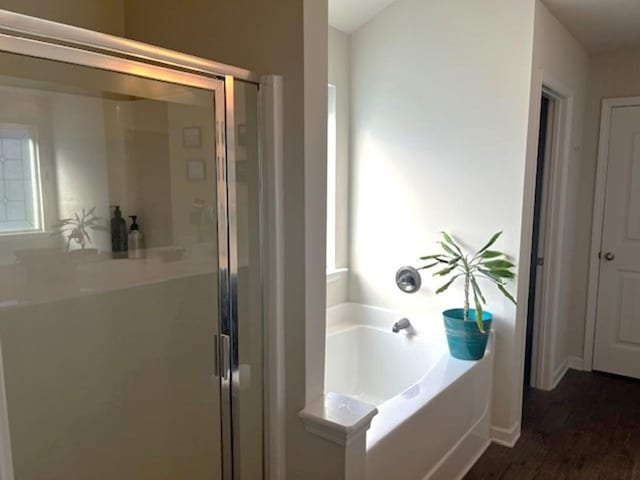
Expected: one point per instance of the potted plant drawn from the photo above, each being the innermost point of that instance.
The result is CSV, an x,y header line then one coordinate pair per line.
x,y
468,328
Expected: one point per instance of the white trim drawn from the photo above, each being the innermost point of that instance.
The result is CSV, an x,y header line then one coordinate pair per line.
x,y
559,374
6,458
274,383
608,105
338,418
337,274
332,168
557,205
507,437
554,235
576,363
315,18
525,244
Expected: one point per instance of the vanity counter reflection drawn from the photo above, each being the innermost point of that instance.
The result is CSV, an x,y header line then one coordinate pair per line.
x,y
42,276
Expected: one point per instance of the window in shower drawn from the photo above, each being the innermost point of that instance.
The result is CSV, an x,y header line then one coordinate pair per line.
x,y
20,210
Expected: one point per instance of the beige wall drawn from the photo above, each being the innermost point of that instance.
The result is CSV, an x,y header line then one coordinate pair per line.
x,y
103,15
339,75
440,104
610,75
266,37
561,61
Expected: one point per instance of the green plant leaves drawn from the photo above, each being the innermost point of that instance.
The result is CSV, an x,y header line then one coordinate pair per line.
x,y
450,241
448,249
507,294
431,257
476,289
479,311
430,265
489,243
445,271
491,254
490,275
503,273
490,264
498,264
447,285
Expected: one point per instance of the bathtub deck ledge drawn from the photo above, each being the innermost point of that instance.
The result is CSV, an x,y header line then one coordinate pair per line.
x,y
338,418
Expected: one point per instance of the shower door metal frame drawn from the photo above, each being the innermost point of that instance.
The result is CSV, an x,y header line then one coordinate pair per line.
x,y
39,38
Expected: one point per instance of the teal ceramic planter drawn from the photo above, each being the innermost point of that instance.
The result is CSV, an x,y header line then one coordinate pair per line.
x,y
465,340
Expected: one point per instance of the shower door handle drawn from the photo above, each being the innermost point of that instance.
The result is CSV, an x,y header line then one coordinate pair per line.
x,y
221,356
225,352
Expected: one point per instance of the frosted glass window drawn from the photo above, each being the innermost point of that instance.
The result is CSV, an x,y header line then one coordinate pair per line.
x,y
19,185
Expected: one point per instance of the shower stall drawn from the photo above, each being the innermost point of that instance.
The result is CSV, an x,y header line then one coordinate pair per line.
x,y
128,354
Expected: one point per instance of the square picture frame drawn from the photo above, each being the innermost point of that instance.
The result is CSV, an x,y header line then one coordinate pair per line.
x,y
196,170
191,137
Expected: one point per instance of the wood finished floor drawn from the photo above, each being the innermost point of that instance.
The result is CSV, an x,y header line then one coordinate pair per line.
x,y
588,428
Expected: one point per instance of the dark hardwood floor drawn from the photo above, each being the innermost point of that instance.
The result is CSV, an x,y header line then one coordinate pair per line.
x,y
588,428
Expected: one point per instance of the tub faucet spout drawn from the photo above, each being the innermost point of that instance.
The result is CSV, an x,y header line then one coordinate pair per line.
x,y
402,324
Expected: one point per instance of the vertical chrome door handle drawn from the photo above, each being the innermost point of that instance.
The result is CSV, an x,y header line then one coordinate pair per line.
x,y
225,352
221,356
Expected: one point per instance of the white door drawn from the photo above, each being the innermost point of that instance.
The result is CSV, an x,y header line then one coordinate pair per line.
x,y
617,342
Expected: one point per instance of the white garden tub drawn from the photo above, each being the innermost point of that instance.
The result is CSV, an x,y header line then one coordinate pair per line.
x,y
433,420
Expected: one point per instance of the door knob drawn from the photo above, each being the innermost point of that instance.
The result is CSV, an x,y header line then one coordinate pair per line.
x,y
609,256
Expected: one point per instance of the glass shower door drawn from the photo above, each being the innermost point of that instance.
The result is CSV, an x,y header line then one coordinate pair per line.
x,y
109,271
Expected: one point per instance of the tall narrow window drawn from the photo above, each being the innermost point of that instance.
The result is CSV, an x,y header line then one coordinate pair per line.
x,y
331,181
19,181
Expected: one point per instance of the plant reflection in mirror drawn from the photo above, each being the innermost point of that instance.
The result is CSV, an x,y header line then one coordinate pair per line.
x,y
77,229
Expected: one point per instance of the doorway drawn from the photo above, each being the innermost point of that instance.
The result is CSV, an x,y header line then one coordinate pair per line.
x,y
546,134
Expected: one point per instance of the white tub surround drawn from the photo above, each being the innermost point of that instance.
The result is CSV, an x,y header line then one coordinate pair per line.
x,y
342,420
433,410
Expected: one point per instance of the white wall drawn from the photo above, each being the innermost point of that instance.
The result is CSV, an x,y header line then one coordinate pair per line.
x,y
610,75
560,61
339,75
440,103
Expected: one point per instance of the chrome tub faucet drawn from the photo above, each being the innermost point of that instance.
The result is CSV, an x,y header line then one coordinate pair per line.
x,y
401,324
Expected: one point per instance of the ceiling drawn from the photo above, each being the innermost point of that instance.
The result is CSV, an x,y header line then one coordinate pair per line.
x,y
349,15
600,25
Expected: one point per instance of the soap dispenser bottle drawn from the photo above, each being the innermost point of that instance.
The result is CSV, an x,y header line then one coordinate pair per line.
x,y
136,239
118,233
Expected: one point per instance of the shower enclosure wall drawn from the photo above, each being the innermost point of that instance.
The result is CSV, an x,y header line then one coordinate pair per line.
x,y
117,361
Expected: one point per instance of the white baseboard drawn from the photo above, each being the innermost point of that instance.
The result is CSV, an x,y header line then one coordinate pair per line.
x,y
576,363
559,374
506,437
